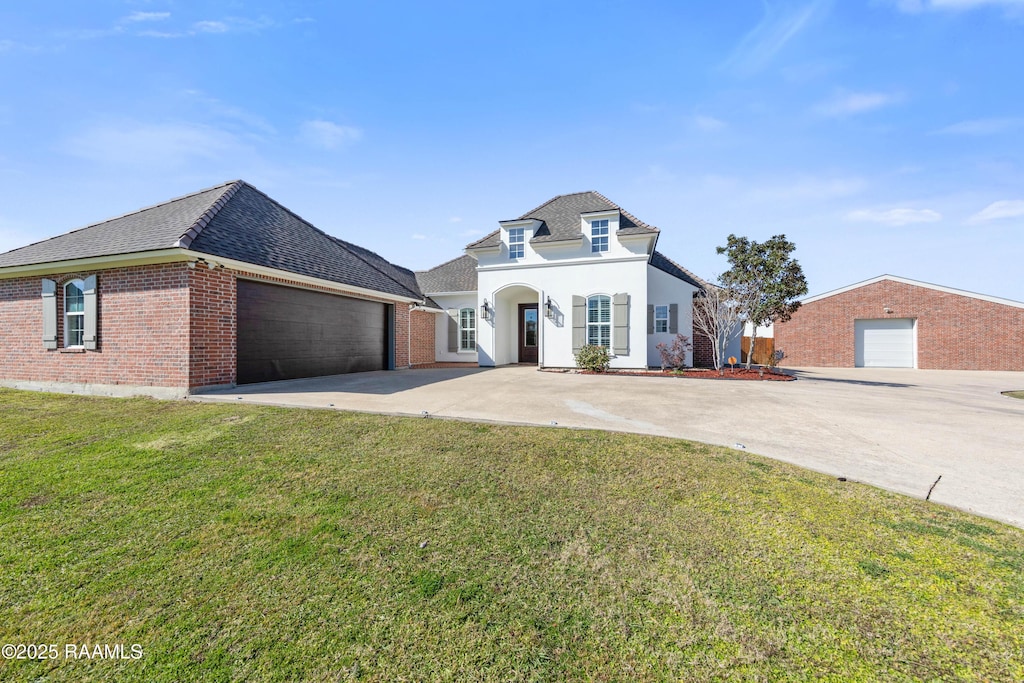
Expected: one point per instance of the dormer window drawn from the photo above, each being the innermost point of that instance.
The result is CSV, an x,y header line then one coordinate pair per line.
x,y
517,242
599,235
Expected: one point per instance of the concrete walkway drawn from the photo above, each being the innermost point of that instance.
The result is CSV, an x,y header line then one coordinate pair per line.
x,y
897,429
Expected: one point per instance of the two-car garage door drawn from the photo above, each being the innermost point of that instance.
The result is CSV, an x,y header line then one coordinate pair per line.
x,y
285,333
885,343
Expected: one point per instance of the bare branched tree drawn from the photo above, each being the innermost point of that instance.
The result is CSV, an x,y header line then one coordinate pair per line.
x,y
718,315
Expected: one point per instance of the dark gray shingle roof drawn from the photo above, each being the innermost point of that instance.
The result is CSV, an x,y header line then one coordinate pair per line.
x,y
235,221
155,227
457,275
560,219
253,228
664,263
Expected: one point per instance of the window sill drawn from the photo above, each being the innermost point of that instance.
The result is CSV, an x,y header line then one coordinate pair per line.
x,y
73,349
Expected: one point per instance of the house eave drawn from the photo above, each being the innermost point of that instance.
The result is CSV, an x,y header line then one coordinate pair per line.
x,y
915,283
253,269
176,255
139,258
569,242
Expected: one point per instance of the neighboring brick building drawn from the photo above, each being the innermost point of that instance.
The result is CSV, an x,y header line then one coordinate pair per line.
x,y
219,287
890,321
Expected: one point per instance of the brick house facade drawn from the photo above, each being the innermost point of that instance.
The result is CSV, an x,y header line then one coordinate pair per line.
x,y
165,326
164,288
954,330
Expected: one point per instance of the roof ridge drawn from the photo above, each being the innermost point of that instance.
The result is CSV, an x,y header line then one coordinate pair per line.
x,y
559,196
124,215
627,214
346,246
342,243
189,236
917,283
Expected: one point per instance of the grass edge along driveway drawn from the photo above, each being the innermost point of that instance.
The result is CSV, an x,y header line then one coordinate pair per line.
x,y
248,543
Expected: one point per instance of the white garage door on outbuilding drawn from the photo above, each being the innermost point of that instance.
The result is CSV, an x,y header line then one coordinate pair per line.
x,y
885,343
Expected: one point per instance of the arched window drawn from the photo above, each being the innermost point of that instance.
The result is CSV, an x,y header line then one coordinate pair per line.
x,y
599,320
467,329
74,314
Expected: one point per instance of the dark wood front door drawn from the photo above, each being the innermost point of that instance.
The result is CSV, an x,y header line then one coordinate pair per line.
x,y
529,333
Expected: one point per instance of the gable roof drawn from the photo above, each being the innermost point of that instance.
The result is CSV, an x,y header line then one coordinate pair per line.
x,y
664,263
916,283
560,219
457,275
234,221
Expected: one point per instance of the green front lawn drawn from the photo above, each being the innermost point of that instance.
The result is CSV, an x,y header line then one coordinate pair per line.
x,y
242,543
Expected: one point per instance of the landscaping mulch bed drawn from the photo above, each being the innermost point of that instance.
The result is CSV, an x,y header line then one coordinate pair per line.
x,y
752,375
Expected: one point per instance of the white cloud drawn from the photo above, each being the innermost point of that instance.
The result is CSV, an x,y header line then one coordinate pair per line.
x,y
918,6
1007,208
248,121
455,219
145,144
808,189
894,217
980,127
418,236
210,27
851,103
204,27
709,124
777,27
135,17
328,135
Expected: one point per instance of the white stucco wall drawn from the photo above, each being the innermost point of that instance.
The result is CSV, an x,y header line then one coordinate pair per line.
x,y
663,290
763,331
506,284
451,303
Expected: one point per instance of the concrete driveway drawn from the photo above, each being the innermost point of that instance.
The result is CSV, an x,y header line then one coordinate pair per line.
x,y
897,429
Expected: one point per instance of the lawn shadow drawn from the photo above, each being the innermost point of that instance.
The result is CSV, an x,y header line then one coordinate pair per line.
x,y
380,382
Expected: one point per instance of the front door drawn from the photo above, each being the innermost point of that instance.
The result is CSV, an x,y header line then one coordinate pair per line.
x,y
529,323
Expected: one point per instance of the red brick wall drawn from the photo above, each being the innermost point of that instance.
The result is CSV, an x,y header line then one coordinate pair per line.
x,y
402,335
212,307
164,325
703,351
953,332
422,338
143,329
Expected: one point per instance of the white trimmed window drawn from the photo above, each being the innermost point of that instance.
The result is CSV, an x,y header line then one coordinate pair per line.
x,y
74,314
467,329
599,235
599,320
516,243
661,318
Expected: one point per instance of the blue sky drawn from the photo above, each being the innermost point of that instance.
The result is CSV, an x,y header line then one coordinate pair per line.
x,y
882,136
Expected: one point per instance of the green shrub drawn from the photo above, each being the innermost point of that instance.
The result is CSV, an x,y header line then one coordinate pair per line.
x,y
593,358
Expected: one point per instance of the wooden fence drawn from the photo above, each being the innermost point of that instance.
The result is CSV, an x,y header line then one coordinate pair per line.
x,y
764,348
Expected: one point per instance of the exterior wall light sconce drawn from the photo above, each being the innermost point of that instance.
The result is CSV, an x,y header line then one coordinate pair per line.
x,y
887,309
486,311
549,311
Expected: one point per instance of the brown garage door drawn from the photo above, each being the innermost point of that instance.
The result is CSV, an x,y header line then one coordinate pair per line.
x,y
284,333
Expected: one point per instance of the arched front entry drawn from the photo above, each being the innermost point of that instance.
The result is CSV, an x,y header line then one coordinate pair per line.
x,y
518,332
